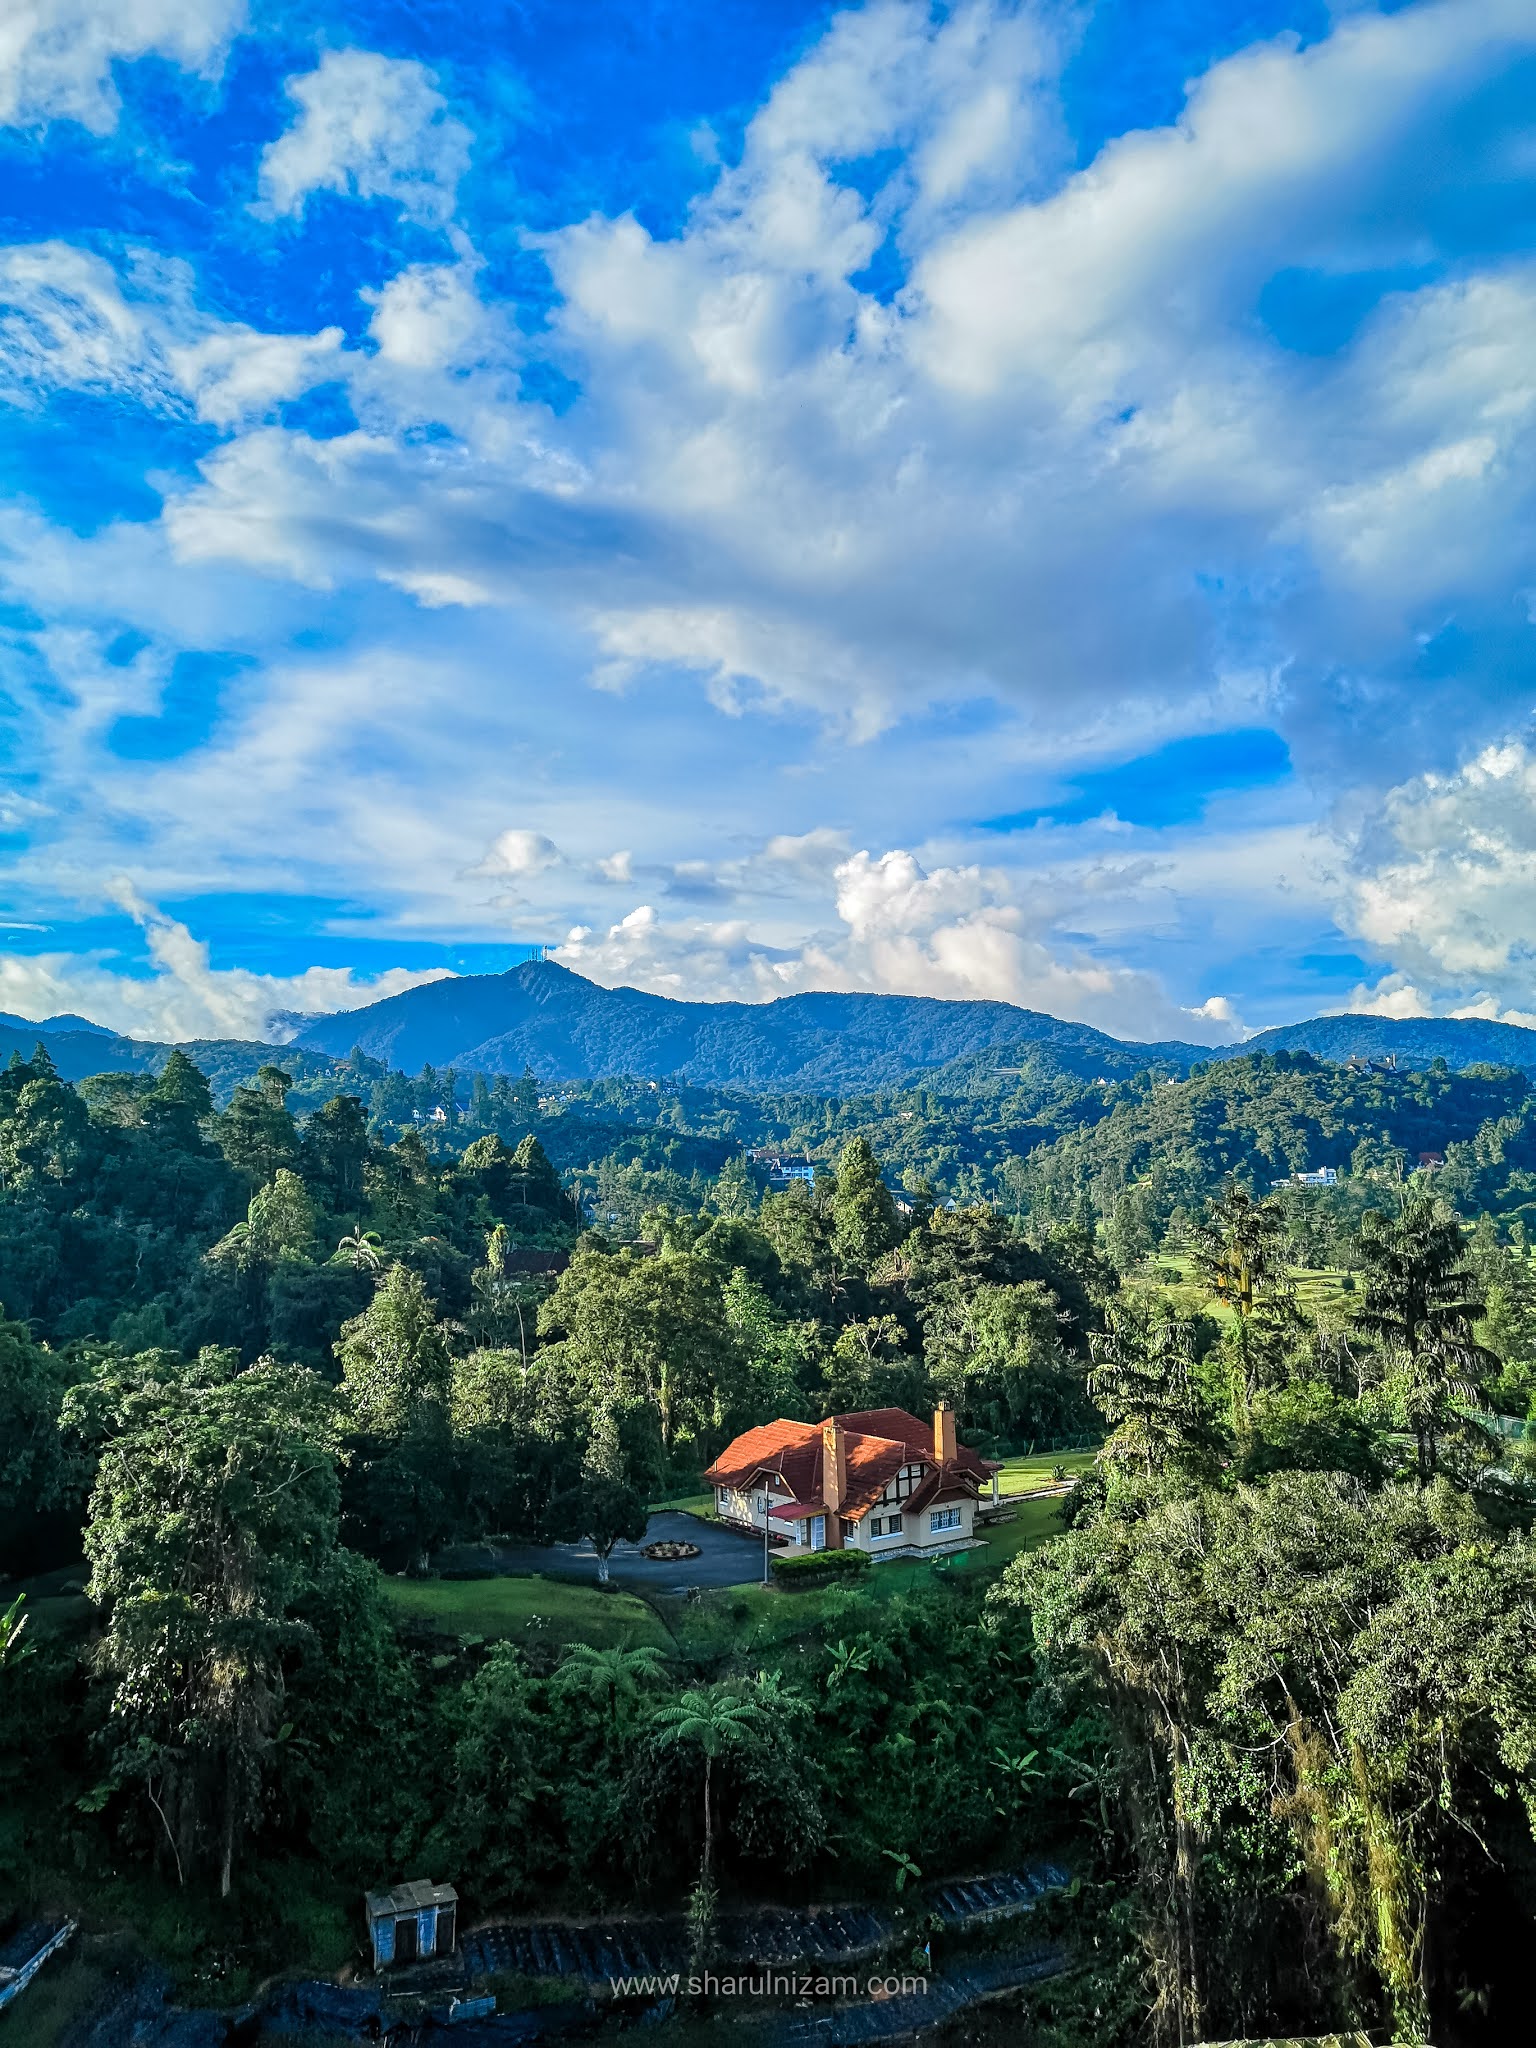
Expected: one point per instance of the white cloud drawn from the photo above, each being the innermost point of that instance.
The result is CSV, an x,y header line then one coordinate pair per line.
x,y
371,127
70,320
1445,884
237,373
805,495
1075,290
64,321
1396,995
957,932
184,996
813,854
520,853
56,56
428,317
1220,1010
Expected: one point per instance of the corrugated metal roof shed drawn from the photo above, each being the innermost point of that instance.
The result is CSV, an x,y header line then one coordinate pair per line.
x,y
410,1898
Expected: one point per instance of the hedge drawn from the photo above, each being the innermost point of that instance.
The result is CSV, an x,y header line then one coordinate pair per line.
x,y
819,1565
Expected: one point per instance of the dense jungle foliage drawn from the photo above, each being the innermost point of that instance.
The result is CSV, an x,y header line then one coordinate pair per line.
x,y
1272,1692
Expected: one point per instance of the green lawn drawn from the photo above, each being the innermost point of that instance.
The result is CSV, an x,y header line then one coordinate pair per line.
x,y
1035,1522
1028,1475
1317,1287
529,1610
686,1504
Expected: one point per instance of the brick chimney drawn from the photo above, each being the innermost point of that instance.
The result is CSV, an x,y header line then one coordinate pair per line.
x,y
944,1434
834,1478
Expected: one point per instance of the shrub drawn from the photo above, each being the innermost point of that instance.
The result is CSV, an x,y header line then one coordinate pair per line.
x,y
820,1566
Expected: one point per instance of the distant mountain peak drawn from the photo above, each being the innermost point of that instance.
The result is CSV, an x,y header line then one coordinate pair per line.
x,y
67,1021
543,1015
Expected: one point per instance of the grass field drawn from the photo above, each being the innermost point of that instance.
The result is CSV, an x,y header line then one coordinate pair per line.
x,y
1028,1475
528,1610
686,1504
1319,1289
1036,1522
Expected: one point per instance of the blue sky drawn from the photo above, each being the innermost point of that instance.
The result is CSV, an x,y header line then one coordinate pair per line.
x,y
1017,500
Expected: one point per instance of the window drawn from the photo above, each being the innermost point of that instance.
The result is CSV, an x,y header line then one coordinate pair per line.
x,y
885,1525
944,1518
850,1530
761,1503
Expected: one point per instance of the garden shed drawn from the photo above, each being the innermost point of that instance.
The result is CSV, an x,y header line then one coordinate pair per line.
x,y
412,1923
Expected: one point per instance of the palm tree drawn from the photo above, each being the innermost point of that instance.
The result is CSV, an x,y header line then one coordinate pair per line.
x,y
1421,1300
1242,1253
359,1249
711,1720
616,1676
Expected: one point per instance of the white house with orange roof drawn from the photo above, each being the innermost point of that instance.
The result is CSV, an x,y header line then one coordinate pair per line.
x,y
879,1481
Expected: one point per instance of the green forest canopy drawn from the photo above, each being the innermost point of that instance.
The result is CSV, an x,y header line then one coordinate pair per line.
x,y
1271,1692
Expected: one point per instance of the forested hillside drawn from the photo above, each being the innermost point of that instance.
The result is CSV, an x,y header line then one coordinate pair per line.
x,y
1411,1041
542,1015
1167,1146
260,1358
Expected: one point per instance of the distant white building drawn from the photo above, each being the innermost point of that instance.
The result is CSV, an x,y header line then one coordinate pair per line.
x,y
782,1169
1324,1177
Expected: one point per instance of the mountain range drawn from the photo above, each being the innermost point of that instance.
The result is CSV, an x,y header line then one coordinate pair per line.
x,y
542,1016
66,1022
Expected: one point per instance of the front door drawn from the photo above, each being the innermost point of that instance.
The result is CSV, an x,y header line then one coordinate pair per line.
x,y
818,1532
405,1938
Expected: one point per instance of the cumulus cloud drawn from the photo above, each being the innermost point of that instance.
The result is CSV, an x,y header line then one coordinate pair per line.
x,y
901,929
370,127
428,317
910,414
803,493
1444,885
237,373
183,996
520,853
56,56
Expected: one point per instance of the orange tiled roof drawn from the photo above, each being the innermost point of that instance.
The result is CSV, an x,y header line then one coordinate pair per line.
x,y
877,1442
902,1428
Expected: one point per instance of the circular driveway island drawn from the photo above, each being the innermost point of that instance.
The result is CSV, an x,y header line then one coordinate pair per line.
x,y
727,1557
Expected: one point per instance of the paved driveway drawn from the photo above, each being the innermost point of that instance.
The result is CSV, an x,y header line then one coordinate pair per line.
x,y
728,1557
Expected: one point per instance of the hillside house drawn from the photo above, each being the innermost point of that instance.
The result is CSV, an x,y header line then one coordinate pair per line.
x,y
879,1481
1321,1177
782,1168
